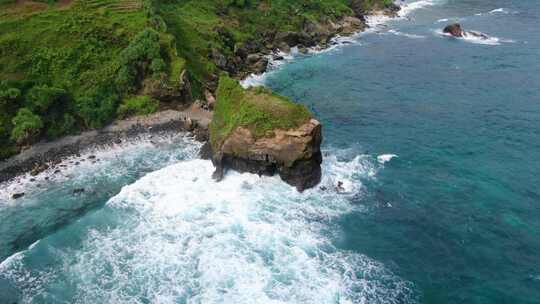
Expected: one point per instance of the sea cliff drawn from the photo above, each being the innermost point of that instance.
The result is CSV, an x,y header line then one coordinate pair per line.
x,y
115,59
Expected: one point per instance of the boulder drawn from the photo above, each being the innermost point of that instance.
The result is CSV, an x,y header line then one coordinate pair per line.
x,y
293,38
17,195
253,58
219,59
454,30
350,25
284,47
210,99
163,89
38,169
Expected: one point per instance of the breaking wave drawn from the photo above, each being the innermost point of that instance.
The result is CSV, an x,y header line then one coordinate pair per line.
x,y
177,236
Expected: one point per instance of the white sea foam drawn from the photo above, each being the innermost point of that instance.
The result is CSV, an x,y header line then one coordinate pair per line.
x,y
384,158
254,80
476,39
378,22
408,8
398,33
102,163
499,10
181,237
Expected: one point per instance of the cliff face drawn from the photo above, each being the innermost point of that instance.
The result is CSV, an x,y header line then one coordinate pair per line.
x,y
293,154
257,131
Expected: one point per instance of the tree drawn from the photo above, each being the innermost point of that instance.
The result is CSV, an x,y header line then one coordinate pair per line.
x,y
96,111
141,57
26,125
41,98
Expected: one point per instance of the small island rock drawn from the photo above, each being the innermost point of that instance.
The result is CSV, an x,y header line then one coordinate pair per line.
x,y
454,30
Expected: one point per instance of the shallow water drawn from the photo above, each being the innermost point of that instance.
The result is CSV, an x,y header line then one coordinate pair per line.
x,y
434,138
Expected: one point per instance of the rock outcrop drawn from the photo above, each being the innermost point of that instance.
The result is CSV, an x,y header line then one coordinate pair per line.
x,y
454,30
293,154
162,89
255,130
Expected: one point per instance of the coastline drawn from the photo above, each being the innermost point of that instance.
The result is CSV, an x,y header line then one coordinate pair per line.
x,y
45,155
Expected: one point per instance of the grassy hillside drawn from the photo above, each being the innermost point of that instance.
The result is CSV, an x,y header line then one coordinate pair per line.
x,y
71,65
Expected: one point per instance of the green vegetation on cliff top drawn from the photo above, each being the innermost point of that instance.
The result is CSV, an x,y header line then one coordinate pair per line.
x,y
257,109
72,64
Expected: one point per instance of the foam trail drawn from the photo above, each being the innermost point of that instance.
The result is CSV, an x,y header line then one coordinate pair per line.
x,y
408,8
177,236
384,158
398,33
379,21
498,10
476,39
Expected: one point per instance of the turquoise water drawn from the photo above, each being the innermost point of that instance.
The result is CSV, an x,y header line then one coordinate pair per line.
x,y
437,143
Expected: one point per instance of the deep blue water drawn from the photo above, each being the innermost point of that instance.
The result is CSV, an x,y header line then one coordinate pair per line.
x,y
454,218
464,119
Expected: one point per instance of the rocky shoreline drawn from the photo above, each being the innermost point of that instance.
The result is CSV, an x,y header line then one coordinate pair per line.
x,y
46,155
253,57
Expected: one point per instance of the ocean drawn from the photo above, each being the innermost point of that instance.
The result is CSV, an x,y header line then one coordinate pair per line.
x,y
435,139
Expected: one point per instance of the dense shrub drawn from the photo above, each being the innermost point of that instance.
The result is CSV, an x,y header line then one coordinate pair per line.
x,y
140,58
138,105
41,98
26,126
96,111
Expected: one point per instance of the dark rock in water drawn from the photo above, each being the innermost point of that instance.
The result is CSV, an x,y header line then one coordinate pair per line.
x,y
219,173
92,157
339,187
206,151
78,190
457,31
17,195
454,30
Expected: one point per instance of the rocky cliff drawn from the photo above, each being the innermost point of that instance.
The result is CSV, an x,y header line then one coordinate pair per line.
x,y
257,131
